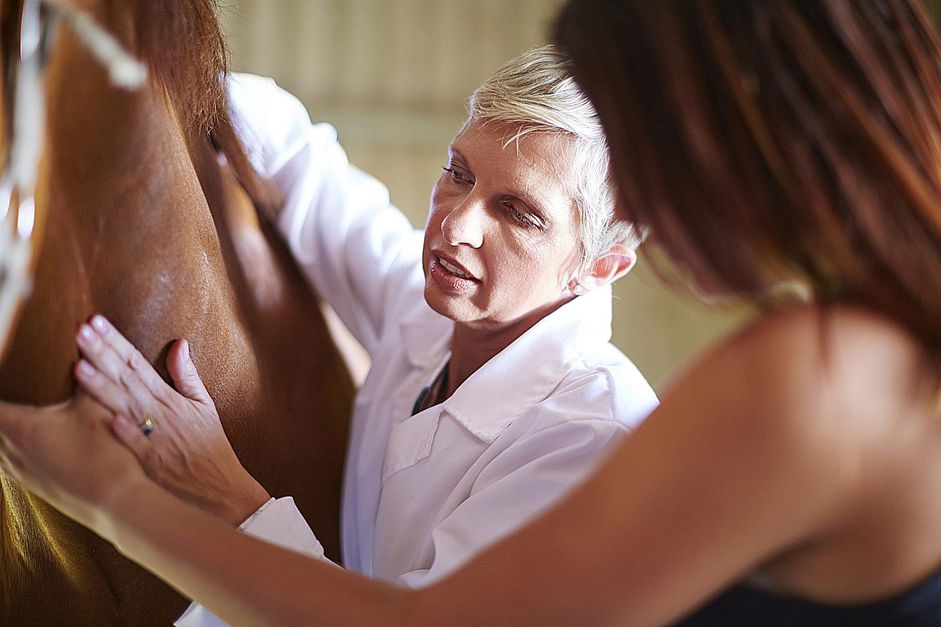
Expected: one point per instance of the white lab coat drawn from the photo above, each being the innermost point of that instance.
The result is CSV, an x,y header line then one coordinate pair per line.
x,y
424,493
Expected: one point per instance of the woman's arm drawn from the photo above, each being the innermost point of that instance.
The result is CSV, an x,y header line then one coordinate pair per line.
x,y
241,579
67,455
745,460
737,466
359,251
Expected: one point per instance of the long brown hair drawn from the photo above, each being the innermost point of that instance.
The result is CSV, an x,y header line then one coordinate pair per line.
x,y
769,140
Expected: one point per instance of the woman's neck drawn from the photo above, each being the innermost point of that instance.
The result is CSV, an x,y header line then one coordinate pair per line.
x,y
469,351
473,345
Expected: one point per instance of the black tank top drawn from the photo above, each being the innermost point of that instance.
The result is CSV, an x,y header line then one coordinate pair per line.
x,y
920,606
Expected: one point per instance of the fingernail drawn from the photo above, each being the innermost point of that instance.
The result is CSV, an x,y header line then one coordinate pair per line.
x,y
86,369
120,422
185,349
85,332
99,322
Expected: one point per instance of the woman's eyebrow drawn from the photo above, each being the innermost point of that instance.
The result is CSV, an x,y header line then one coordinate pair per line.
x,y
531,202
460,155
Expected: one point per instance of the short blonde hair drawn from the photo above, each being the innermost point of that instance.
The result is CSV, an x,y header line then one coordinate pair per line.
x,y
535,92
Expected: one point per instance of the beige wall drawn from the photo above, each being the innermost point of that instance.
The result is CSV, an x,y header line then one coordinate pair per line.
x,y
392,76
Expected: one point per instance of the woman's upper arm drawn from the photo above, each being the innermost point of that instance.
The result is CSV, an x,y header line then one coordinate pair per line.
x,y
358,250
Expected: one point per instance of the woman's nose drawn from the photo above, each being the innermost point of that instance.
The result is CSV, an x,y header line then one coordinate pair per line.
x,y
465,224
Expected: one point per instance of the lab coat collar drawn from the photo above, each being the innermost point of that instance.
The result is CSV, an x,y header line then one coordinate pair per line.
x,y
427,335
522,374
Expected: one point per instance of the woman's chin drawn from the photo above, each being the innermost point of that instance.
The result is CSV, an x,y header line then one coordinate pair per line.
x,y
440,303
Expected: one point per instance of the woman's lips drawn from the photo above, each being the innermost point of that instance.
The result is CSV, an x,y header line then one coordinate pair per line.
x,y
449,275
454,269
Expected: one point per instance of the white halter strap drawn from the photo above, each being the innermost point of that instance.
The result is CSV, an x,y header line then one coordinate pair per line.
x,y
26,142
123,69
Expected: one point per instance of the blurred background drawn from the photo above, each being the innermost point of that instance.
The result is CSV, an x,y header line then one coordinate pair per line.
x,y
393,76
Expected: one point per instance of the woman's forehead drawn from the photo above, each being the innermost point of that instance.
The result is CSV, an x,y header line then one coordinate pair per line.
x,y
537,164
526,141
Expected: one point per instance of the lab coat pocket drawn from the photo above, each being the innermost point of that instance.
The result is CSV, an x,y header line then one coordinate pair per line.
x,y
410,441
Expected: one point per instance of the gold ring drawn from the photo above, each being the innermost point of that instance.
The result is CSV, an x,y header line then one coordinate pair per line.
x,y
147,426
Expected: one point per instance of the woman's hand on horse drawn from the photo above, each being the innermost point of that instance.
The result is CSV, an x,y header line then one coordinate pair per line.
x,y
177,437
67,455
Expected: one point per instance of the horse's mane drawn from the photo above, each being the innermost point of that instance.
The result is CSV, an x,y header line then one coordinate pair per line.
x,y
183,44
184,47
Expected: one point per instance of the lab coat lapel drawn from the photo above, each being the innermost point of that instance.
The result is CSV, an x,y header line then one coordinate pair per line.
x,y
526,371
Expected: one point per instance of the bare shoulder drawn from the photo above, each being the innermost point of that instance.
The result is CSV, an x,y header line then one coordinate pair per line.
x,y
841,365
835,327
793,401
840,346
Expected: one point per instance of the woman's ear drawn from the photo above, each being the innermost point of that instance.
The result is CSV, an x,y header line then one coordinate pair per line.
x,y
608,268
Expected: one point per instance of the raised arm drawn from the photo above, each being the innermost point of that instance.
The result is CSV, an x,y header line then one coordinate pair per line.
x,y
360,252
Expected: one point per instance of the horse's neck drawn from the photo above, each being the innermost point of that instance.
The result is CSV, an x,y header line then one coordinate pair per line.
x,y
142,224
127,231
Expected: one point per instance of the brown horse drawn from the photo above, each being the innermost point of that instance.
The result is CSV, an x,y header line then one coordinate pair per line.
x,y
139,220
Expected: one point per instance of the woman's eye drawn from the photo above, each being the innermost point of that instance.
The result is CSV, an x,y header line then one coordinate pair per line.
x,y
456,175
520,217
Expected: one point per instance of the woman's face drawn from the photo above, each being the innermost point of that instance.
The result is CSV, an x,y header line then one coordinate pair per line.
x,y
501,242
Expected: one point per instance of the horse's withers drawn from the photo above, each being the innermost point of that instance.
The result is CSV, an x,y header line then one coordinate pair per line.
x,y
142,224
